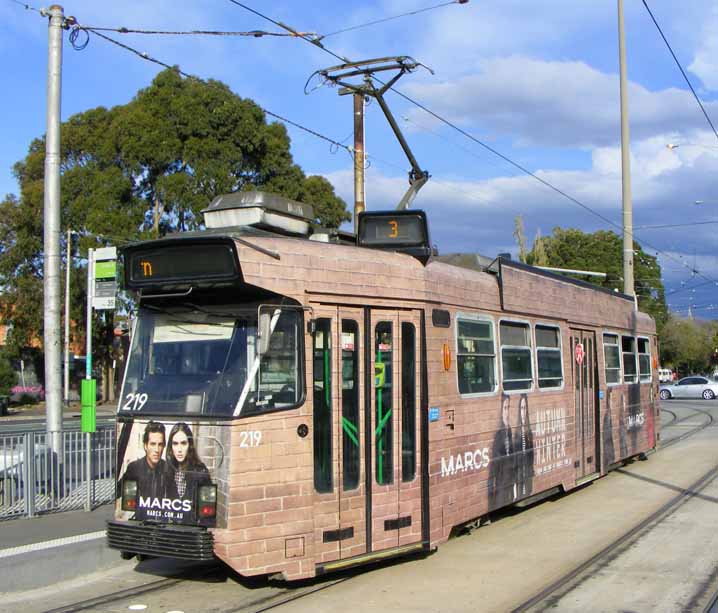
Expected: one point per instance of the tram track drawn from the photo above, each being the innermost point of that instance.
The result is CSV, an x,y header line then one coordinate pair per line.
x,y
549,597
268,597
689,433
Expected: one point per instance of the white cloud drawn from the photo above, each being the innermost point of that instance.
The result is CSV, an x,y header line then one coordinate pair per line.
x,y
556,103
705,62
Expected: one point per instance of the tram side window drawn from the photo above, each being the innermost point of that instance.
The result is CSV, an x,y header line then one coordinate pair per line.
x,y
628,350
350,404
644,360
612,357
548,357
322,356
516,355
408,402
475,356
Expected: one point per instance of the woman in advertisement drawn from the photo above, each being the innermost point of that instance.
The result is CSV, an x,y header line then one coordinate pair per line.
x,y
187,471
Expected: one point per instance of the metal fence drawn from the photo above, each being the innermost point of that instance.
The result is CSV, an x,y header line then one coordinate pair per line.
x,y
41,472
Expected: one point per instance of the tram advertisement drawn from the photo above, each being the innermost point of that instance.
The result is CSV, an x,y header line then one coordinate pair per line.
x,y
163,459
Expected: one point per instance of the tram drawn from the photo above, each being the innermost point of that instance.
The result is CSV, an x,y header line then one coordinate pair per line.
x,y
297,402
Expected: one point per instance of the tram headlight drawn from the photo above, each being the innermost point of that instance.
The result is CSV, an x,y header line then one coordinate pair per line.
x,y
207,501
129,495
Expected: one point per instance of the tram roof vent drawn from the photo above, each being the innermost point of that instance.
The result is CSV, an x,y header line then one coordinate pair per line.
x,y
261,210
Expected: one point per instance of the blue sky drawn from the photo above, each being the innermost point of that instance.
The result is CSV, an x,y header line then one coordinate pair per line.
x,y
537,81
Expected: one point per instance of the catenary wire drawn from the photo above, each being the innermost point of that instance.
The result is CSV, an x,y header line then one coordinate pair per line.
x,y
308,38
378,21
683,72
145,56
473,138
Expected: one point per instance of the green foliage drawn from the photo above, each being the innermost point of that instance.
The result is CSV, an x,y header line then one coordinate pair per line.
x,y
602,251
137,171
329,209
689,346
520,236
8,376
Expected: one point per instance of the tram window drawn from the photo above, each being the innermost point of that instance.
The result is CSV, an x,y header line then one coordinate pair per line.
x,y
612,357
548,356
408,401
383,385
204,360
475,356
516,355
350,404
279,385
644,360
628,351
322,379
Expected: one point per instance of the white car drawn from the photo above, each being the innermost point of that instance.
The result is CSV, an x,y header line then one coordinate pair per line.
x,y
690,387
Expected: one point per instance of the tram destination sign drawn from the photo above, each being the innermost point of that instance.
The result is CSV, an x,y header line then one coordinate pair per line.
x,y
168,264
405,231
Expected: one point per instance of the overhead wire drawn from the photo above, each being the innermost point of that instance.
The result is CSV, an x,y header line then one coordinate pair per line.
x,y
683,72
385,19
249,33
146,56
471,137
316,40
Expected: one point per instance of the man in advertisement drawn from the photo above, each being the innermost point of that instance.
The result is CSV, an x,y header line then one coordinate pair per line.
x,y
151,472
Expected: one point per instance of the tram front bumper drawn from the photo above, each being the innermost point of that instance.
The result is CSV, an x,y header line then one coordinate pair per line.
x,y
161,540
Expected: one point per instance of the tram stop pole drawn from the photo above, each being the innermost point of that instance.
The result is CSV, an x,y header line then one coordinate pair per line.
x,y
87,395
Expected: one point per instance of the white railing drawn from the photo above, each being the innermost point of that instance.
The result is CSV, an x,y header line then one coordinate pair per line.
x,y
56,479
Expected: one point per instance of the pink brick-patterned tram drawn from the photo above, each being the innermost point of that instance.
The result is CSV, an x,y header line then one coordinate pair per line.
x,y
294,406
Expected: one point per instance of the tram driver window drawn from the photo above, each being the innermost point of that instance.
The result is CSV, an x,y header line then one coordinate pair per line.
x,y
516,355
628,350
475,356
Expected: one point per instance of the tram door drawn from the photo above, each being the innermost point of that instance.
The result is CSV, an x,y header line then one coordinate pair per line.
x,y
395,504
339,433
585,381
366,464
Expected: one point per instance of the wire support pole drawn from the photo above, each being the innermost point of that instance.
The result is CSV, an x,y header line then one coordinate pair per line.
x,y
628,286
51,237
359,197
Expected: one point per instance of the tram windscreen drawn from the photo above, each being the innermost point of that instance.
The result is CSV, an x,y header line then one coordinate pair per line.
x,y
206,361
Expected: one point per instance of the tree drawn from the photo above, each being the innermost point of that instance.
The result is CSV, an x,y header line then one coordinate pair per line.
x,y
520,236
8,376
602,251
140,170
329,209
686,345
538,255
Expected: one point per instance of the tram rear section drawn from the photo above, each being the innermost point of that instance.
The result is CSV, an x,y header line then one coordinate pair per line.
x,y
293,406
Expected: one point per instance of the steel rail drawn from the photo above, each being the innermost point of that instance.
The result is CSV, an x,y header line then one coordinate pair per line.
x,y
549,596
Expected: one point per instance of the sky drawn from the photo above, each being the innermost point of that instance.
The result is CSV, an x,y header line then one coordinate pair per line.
x,y
535,81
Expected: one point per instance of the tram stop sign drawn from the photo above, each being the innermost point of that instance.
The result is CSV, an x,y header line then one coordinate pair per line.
x,y
579,353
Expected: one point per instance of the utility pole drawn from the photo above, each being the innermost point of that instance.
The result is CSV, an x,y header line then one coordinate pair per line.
x,y
51,247
359,202
628,287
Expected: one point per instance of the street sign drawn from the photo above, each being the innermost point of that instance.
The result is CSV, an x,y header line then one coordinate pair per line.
x,y
579,353
105,283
